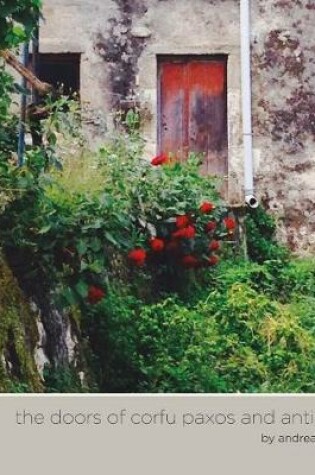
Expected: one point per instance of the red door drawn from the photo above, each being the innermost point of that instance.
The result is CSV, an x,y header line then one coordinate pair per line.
x,y
193,109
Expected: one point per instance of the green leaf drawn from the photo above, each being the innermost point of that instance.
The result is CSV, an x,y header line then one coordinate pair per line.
x,y
96,267
69,296
81,247
18,31
95,245
44,229
83,266
111,238
97,224
82,288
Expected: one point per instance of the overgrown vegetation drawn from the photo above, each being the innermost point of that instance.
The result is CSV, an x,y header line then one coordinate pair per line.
x,y
142,257
8,122
157,324
260,234
241,328
18,337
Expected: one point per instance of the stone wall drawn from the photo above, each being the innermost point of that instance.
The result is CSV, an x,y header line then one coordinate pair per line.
x,y
119,41
284,115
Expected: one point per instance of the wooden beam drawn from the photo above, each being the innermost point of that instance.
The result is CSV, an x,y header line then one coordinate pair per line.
x,y
42,87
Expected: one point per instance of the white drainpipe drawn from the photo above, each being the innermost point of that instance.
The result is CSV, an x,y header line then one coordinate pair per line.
x,y
250,198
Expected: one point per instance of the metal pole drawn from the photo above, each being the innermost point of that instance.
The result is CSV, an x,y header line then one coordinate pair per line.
x,y
21,141
35,60
246,98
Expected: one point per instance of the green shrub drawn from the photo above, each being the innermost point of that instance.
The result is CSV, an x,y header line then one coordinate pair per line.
x,y
111,330
157,324
70,236
271,350
280,280
298,278
8,121
260,236
62,380
235,340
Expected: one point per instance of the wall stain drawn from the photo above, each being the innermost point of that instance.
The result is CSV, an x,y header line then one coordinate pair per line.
x,y
120,49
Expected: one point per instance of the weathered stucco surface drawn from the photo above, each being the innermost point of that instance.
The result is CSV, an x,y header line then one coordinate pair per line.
x,y
284,114
119,41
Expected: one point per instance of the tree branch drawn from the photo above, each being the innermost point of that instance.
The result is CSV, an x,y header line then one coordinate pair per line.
x,y
42,87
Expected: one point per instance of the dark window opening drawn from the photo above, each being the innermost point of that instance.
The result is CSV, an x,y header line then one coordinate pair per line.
x,y
60,70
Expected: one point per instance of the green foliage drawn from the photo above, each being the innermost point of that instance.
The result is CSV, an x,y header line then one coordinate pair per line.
x,y
297,279
176,349
8,122
304,308
233,335
280,280
152,198
234,340
17,387
268,348
70,234
70,217
57,234
260,234
243,326
111,329
17,20
63,379
18,337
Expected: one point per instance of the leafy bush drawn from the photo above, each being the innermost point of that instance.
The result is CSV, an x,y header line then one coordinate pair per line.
x,y
260,235
111,329
297,278
236,340
127,245
62,380
71,237
8,122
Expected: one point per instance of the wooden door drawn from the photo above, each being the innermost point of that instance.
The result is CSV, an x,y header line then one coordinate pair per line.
x,y
193,109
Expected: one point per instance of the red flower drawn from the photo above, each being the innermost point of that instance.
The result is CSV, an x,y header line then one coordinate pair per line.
x,y
214,245
187,233
157,245
210,226
206,207
159,160
190,261
229,223
182,221
212,260
137,257
95,294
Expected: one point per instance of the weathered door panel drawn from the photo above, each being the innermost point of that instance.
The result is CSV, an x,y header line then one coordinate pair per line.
x,y
202,115
207,114
172,116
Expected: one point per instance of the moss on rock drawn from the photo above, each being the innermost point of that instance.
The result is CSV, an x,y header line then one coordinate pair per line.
x,y
18,337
